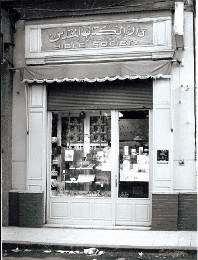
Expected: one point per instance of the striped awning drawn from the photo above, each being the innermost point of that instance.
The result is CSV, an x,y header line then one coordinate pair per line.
x,y
97,72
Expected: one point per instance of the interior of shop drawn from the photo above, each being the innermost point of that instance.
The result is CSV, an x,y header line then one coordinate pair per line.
x,y
81,161
134,154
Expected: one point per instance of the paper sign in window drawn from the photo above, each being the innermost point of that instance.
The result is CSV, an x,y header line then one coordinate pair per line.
x,y
69,155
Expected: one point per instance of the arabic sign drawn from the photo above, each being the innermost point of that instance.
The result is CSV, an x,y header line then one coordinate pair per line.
x,y
97,35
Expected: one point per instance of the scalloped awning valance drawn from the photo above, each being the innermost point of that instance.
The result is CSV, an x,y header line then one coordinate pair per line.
x,y
97,72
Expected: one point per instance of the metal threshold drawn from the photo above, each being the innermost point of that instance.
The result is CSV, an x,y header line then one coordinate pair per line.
x,y
97,227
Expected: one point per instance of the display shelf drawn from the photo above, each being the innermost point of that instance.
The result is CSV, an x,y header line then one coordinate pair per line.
x,y
132,175
75,124
90,167
98,144
69,145
71,182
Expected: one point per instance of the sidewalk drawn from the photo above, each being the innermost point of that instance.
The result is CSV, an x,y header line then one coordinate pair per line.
x,y
101,238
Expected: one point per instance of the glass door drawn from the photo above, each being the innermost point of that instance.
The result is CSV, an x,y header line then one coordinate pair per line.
x,y
134,154
99,168
133,178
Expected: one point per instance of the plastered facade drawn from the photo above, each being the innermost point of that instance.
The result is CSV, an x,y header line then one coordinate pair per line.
x,y
173,123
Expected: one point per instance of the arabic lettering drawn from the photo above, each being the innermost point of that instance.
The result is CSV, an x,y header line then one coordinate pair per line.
x,y
85,31
93,36
97,30
55,38
140,32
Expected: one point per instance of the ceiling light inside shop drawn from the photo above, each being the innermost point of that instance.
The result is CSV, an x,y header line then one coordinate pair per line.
x,y
120,114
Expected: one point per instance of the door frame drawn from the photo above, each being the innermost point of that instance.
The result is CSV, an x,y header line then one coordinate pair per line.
x,y
116,175
115,165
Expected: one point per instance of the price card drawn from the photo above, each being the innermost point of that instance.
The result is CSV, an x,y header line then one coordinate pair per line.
x,y
69,155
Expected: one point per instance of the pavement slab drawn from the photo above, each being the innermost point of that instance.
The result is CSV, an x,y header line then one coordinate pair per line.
x,y
145,239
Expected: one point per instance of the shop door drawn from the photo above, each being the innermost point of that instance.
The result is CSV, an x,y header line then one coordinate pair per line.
x,y
132,178
99,168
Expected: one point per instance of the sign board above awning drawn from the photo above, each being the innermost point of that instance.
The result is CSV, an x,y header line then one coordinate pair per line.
x,y
97,72
97,36
108,38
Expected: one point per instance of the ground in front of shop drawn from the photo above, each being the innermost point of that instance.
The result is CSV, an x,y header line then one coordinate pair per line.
x,y
27,252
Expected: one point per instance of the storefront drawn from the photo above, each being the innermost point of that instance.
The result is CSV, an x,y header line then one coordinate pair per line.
x,y
100,153
98,89
99,118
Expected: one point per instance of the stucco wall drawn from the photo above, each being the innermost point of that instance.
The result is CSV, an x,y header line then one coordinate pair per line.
x,y
6,114
184,117
19,131
6,138
181,106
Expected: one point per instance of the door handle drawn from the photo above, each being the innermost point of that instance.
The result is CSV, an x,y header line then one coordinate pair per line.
x,y
116,182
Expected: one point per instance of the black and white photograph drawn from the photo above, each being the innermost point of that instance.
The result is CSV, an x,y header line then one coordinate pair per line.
x,y
99,118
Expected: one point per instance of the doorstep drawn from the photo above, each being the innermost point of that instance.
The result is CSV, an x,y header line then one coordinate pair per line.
x,y
97,227
101,238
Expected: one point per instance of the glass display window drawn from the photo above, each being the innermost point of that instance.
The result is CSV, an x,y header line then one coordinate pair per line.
x,y
134,154
81,154
81,160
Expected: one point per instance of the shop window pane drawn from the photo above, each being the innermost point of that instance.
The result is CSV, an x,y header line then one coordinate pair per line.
x,y
81,154
134,154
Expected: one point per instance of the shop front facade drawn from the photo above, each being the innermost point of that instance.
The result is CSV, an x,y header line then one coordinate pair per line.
x,y
101,106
